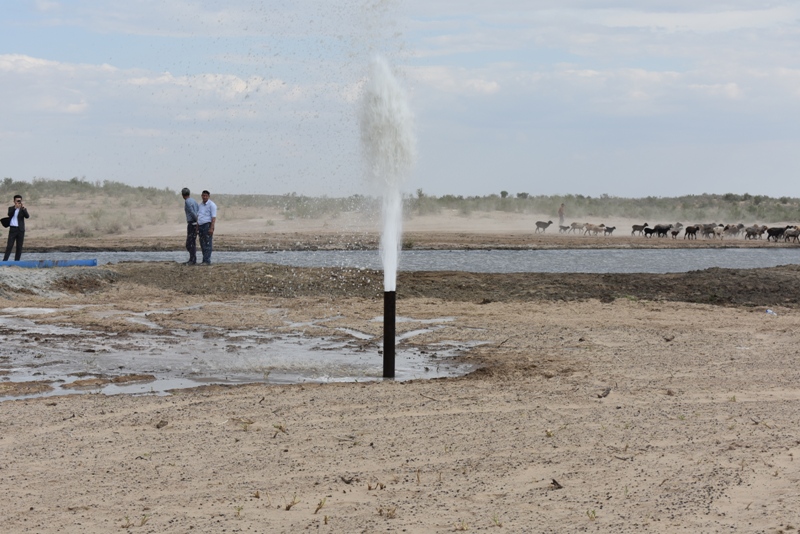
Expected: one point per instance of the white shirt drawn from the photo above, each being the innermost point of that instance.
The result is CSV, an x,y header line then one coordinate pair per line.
x,y
208,211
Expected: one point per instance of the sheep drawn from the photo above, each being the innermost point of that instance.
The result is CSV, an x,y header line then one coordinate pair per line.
x,y
791,234
732,230
676,230
541,225
648,232
754,232
639,228
776,231
609,230
594,228
662,230
576,226
708,230
690,232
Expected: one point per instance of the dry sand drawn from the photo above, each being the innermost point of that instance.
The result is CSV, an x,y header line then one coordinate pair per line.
x,y
613,407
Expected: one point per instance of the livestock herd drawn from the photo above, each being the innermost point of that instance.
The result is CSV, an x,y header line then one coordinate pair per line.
x,y
706,231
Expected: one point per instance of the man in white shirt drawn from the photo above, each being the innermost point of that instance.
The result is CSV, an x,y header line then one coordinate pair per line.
x,y
206,219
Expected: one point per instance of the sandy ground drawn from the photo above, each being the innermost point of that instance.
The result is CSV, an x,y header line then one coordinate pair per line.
x,y
613,403
448,230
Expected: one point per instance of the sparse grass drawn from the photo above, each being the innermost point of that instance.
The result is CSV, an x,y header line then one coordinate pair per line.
x,y
462,526
245,423
292,503
389,512
280,427
592,515
320,504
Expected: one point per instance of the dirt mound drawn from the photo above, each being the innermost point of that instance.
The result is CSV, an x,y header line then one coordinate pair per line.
x,y
749,287
52,282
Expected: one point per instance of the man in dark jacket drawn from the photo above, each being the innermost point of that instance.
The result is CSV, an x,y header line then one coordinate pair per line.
x,y
16,228
191,208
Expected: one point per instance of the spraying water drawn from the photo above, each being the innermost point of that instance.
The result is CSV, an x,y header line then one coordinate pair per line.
x,y
389,145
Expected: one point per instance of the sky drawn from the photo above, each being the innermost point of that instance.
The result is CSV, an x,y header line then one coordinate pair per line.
x,y
625,98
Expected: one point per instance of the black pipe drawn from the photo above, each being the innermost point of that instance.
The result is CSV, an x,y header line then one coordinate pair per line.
x,y
389,298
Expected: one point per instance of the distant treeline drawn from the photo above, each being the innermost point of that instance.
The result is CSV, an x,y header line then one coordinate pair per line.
x,y
46,188
729,207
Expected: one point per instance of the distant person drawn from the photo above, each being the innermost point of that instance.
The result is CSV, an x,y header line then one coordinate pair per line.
x,y
206,219
191,208
16,228
561,215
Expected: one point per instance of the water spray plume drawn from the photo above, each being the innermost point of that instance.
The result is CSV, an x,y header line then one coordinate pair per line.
x,y
389,144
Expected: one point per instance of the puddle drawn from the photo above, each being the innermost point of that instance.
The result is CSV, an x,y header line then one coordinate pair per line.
x,y
57,360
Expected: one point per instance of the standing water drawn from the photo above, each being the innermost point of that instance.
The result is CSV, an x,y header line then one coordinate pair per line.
x,y
389,145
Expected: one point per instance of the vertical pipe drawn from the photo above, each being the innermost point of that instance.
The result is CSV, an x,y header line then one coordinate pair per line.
x,y
389,298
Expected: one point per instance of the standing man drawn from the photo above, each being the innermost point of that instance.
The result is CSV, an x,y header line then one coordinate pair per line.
x,y
561,215
191,208
206,219
16,228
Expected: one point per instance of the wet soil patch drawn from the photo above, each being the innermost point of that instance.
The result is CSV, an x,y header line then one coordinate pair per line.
x,y
749,287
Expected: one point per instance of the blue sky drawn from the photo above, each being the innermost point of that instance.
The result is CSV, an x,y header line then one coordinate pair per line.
x,y
547,97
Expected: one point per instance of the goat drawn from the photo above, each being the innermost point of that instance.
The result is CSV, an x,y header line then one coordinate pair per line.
x,y
609,230
639,228
690,232
541,225
576,226
563,229
648,232
675,232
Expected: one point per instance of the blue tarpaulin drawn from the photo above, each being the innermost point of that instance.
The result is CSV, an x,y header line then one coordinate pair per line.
x,y
49,263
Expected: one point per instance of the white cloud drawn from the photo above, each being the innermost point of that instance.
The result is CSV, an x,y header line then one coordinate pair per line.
x,y
730,91
47,5
450,80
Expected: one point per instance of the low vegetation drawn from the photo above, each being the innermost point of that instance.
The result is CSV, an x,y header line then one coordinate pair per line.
x,y
727,207
79,208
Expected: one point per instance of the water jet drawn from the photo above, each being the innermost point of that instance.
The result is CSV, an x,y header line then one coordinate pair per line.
x,y
389,149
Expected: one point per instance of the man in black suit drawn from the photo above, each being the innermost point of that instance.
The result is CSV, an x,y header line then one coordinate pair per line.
x,y
16,228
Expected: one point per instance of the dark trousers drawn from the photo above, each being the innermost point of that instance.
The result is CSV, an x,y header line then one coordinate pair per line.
x,y
206,240
15,235
191,241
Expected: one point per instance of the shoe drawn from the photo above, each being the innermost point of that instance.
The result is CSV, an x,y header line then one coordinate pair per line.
x,y
189,263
